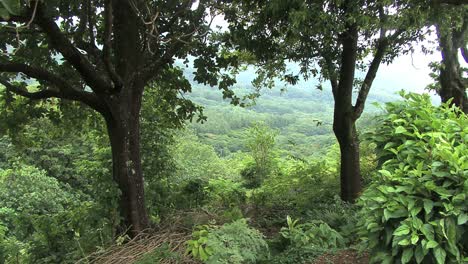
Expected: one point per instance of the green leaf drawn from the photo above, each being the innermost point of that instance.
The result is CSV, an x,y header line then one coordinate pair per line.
x,y
439,254
407,255
428,205
462,219
4,13
401,230
390,145
431,244
400,130
459,198
404,242
12,6
386,174
395,214
414,239
428,231
419,254
203,255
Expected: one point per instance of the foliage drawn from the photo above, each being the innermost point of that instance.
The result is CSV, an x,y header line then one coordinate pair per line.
x,y
197,246
260,142
304,242
45,221
339,215
299,184
225,193
415,210
232,243
196,160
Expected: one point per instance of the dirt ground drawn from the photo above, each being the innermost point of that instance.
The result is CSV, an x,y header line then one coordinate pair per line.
x,y
343,257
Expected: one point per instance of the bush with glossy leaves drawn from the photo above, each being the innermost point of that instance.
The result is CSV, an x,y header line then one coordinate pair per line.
x,y
416,210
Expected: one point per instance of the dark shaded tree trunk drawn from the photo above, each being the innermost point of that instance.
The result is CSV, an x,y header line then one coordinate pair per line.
x,y
451,79
344,119
344,128
123,122
123,126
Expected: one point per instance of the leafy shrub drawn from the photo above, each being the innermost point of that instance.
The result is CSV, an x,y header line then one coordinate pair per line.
x,y
197,246
261,143
250,176
300,184
225,193
416,209
233,243
338,214
44,221
304,242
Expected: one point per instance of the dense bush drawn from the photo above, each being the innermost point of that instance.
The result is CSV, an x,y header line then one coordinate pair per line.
x,y
225,193
299,184
233,243
43,221
416,209
301,243
261,144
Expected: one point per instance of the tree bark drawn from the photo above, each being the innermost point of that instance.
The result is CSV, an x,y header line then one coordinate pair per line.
x,y
450,78
123,126
350,171
344,119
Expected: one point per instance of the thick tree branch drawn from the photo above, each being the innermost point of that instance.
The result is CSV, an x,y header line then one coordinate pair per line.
x,y
349,40
62,88
381,49
43,94
62,44
370,76
107,57
33,72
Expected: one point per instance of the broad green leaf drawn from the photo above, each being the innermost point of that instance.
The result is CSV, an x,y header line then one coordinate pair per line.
x,y
431,244
400,130
428,205
386,174
439,254
462,219
402,230
203,255
12,6
404,242
459,198
407,255
419,254
428,231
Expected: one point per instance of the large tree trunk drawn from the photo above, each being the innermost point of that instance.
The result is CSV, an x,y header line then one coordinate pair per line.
x,y
350,172
124,132
451,79
344,119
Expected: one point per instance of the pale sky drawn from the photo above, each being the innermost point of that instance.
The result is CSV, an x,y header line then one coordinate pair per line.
x,y
409,72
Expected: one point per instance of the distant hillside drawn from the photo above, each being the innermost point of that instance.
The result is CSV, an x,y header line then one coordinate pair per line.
x,y
302,114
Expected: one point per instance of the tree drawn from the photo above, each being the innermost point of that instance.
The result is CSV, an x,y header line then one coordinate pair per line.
x,y
451,24
261,143
103,54
330,39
